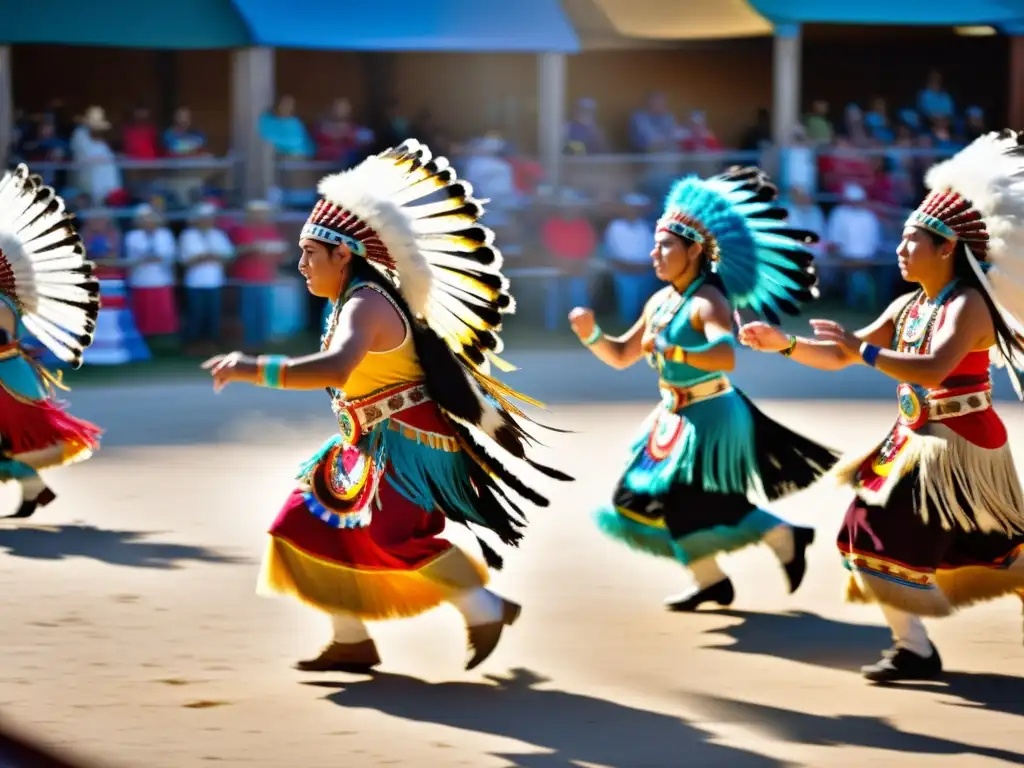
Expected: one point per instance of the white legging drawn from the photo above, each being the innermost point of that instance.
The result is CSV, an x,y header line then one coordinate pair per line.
x,y
706,572
477,606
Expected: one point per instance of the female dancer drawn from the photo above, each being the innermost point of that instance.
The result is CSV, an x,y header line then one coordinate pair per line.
x,y
721,243
47,288
938,514
418,298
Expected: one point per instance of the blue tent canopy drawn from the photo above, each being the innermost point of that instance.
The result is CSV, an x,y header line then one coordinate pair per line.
x,y
528,26
412,25
1007,15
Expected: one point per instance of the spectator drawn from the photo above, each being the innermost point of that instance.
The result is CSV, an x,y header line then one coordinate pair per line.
x,y
570,241
583,136
853,126
654,129
394,128
818,125
182,139
805,214
974,125
758,136
102,240
98,175
261,249
139,137
934,101
844,164
942,136
876,120
697,137
800,164
854,236
337,136
45,146
492,178
285,132
204,250
627,247
891,186
149,252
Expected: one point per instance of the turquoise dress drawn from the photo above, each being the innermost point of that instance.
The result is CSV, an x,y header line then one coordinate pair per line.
x,y
30,419
701,456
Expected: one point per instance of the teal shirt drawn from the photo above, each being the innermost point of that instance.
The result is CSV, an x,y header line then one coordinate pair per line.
x,y
17,374
679,332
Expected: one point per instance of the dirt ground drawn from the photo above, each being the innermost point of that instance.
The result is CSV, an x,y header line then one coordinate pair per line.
x,y
132,634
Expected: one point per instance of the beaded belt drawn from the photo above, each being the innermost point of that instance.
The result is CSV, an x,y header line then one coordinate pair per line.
x,y
676,398
944,404
941,404
357,417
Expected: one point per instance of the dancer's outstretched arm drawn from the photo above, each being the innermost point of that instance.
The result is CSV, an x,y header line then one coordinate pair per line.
x,y
825,355
967,326
619,352
367,323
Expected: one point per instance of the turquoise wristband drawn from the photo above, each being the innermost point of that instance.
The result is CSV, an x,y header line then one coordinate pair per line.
x,y
594,337
271,371
869,353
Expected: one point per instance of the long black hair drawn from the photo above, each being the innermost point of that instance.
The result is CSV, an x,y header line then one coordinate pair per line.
x,y
1009,343
455,392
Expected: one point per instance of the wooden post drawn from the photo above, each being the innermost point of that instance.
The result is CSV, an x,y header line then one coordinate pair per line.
x,y
6,103
252,93
551,91
786,83
1015,116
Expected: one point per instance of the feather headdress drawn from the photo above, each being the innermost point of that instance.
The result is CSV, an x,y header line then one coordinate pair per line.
x,y
764,263
408,214
977,197
43,266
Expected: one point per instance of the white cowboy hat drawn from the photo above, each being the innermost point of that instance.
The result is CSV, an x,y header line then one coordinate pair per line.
x,y
96,119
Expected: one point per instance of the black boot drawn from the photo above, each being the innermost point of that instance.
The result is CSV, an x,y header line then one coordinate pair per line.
x,y
721,593
900,664
797,567
29,506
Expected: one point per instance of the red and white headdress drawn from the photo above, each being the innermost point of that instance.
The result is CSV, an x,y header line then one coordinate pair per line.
x,y
44,272
410,216
977,197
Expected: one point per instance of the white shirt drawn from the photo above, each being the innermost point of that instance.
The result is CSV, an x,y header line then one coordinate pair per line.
x,y
811,218
629,241
199,242
140,244
99,174
855,231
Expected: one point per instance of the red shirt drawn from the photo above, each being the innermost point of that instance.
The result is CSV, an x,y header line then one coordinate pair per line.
x,y
251,267
141,141
569,239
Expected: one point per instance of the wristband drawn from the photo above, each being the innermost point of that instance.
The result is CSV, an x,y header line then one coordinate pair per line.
x,y
594,337
869,353
790,349
270,370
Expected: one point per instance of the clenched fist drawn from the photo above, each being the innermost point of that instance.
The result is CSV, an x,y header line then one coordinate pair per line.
x,y
582,321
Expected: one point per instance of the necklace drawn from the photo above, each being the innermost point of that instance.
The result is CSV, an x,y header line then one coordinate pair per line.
x,y
918,320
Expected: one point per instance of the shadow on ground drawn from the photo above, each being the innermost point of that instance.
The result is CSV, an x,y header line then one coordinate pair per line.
x,y
807,638
571,727
574,728
128,548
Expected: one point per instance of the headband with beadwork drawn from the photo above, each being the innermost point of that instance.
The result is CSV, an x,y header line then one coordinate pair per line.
x,y
952,216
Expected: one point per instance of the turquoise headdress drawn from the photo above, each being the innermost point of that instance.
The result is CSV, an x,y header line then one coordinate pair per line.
x,y
764,263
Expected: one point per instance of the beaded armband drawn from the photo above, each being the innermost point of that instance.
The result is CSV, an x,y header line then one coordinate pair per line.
x,y
270,371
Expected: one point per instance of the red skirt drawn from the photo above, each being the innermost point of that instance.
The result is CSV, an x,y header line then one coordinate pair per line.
x,y
27,426
155,311
397,566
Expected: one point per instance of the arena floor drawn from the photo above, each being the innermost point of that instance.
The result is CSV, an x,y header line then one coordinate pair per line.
x,y
132,634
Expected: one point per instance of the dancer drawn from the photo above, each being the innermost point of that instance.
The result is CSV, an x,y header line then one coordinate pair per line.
x,y
938,514
46,288
721,243
418,298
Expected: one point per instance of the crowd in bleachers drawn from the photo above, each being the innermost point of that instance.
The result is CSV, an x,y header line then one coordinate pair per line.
x,y
175,231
